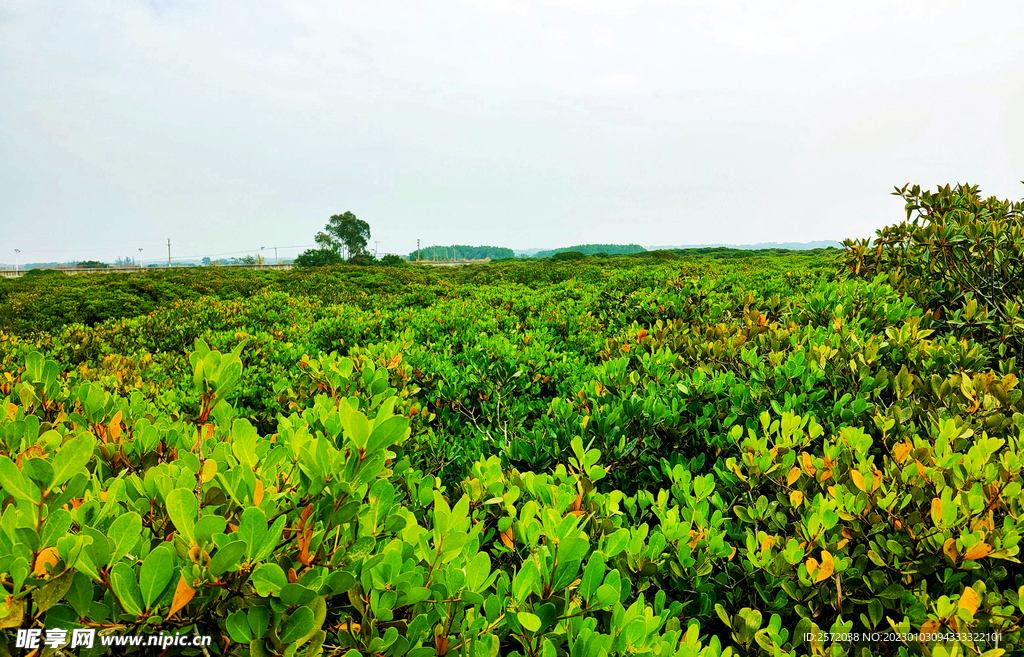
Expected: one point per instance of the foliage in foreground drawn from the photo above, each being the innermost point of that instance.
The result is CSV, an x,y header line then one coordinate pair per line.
x,y
664,458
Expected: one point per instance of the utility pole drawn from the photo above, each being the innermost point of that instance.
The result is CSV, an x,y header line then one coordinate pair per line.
x,y
140,256
375,243
16,252
418,256
168,251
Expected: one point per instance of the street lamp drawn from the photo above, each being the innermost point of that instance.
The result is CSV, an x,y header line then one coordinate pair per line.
x,y
140,256
16,252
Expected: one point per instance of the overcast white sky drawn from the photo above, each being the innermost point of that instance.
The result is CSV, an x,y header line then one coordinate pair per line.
x,y
227,126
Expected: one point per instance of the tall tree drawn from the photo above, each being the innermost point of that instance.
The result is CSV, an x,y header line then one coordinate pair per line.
x,y
344,234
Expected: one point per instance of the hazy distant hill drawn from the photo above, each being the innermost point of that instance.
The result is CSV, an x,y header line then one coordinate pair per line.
x,y
793,246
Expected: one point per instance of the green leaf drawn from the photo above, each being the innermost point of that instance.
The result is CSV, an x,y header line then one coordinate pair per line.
x,y
477,571
269,579
299,623
54,590
296,594
259,620
14,483
125,533
227,558
387,433
182,508
238,627
530,622
252,529
358,429
72,459
155,575
126,588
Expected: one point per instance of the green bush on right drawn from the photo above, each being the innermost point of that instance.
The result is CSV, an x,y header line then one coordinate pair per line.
x,y
959,256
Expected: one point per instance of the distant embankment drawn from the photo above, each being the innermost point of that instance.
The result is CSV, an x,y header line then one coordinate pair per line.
x,y
594,249
760,246
76,271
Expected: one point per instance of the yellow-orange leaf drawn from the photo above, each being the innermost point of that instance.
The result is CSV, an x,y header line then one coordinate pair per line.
x,y
930,627
969,600
901,451
812,565
257,496
796,498
949,548
114,428
45,560
183,593
936,511
977,552
12,411
858,480
794,474
808,466
826,568
350,627
506,538
767,543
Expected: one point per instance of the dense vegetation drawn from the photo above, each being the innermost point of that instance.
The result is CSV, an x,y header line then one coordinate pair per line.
x,y
462,252
655,455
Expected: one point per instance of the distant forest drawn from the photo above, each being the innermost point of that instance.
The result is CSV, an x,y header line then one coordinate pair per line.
x,y
460,251
591,249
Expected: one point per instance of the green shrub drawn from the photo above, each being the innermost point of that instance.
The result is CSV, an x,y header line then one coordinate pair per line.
x,y
568,256
318,258
960,256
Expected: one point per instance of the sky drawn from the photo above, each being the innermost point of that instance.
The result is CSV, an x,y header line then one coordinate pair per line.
x,y
227,126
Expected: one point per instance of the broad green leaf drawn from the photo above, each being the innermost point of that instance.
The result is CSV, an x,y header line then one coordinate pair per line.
x,y
227,558
252,529
125,533
72,458
238,627
269,579
298,624
530,622
15,483
155,574
182,508
126,588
